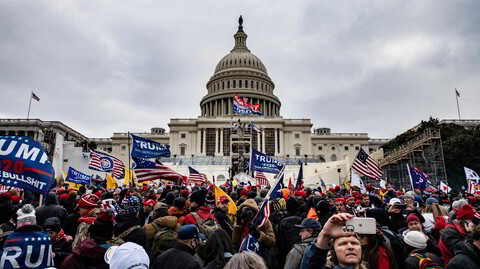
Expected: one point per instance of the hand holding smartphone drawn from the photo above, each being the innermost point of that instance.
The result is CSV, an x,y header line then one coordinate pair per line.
x,y
361,226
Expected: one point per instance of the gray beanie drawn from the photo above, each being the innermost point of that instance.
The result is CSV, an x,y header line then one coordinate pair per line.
x,y
26,215
432,200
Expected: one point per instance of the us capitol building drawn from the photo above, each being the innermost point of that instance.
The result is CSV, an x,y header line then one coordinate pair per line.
x,y
218,142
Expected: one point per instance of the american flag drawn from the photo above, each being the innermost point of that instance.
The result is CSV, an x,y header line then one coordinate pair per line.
x,y
103,162
147,171
366,166
196,177
262,215
261,179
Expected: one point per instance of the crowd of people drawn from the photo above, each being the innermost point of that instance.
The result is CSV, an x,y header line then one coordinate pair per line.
x,y
161,226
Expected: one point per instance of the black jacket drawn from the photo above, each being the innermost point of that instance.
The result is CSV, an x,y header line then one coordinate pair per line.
x,y
223,220
179,257
62,247
47,211
137,236
71,224
467,256
398,222
70,205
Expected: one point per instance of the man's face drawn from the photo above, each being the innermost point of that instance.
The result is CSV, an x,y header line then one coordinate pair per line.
x,y
52,233
340,208
116,196
305,233
415,226
348,251
223,206
147,208
366,200
408,200
351,202
193,205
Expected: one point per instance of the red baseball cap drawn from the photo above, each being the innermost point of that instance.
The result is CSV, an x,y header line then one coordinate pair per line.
x,y
223,199
150,202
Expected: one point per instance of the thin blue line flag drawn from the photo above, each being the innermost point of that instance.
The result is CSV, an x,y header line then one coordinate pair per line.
x,y
146,148
24,164
261,162
78,177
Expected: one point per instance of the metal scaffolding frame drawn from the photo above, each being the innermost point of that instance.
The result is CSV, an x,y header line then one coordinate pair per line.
x,y
424,152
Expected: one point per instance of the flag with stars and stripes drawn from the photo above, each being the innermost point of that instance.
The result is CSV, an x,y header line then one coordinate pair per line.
x,y
196,177
367,166
104,162
261,179
146,170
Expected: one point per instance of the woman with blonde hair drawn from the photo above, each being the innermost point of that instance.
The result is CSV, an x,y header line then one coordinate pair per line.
x,y
430,212
246,260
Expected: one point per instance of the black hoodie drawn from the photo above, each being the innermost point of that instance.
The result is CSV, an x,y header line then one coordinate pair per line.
x,y
467,256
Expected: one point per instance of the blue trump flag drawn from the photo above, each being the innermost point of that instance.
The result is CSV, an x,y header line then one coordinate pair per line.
x,y
78,177
260,162
418,179
27,250
146,148
24,164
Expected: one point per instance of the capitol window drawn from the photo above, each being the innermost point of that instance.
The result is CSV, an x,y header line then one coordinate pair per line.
x,y
124,147
228,84
182,151
297,151
297,136
346,148
334,158
240,83
333,148
257,85
357,147
183,135
320,148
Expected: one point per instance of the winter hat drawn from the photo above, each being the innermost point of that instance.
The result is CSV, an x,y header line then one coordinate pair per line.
x,y
150,202
394,201
63,196
26,216
292,205
52,223
72,194
431,200
440,223
340,200
466,212
160,207
88,201
184,193
412,217
416,239
251,195
409,194
244,192
337,188
198,197
179,203
130,205
210,199
127,256
102,228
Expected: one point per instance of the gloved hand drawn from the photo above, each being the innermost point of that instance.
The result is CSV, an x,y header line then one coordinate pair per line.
x,y
253,232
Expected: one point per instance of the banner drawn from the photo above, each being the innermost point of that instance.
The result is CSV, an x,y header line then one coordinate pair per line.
x,y
444,187
260,162
24,164
471,175
357,181
146,148
78,177
232,208
241,106
27,250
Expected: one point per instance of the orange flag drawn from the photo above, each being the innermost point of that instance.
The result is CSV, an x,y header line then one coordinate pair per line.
x,y
312,214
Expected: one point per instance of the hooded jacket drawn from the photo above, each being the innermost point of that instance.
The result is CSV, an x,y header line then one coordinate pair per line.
x,y
157,224
452,235
295,255
123,223
204,212
180,214
223,220
178,257
50,209
88,255
267,235
467,256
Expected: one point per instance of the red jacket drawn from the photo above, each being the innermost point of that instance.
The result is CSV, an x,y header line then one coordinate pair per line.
x,y
452,234
204,212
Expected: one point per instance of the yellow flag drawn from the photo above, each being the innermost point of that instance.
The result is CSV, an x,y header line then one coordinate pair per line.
x,y
346,184
73,185
128,175
111,184
234,183
232,208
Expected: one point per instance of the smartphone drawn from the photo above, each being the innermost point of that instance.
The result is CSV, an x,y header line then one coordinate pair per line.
x,y
401,206
361,226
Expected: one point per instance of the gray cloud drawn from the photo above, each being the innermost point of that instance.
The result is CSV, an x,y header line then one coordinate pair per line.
x,y
113,66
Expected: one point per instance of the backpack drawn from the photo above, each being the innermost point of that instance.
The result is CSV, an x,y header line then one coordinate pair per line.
x,y
119,240
164,239
396,245
207,226
425,262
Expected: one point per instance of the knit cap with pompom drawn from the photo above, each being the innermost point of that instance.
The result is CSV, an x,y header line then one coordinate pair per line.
x,y
26,216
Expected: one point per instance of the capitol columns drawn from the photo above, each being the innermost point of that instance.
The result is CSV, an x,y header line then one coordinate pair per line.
x,y
282,144
221,141
276,143
216,141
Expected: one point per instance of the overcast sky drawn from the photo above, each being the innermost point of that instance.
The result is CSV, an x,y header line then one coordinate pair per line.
x,y
355,66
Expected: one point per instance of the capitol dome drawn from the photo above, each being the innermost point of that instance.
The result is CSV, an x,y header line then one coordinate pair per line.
x,y
239,72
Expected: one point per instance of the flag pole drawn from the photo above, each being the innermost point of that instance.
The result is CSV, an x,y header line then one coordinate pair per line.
x,y
458,107
129,162
29,105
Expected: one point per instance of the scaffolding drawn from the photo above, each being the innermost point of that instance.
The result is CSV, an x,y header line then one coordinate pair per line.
x,y
424,152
